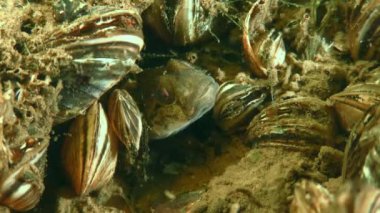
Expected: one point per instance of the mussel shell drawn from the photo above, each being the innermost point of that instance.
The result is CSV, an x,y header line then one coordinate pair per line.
x,y
362,150
263,49
88,153
175,96
364,30
236,104
179,22
352,103
126,121
21,187
104,45
297,123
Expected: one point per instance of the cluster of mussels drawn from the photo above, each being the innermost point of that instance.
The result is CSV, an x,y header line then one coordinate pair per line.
x,y
299,52
290,46
100,45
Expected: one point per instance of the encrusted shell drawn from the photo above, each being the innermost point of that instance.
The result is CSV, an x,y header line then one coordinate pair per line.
x,y
236,104
104,45
126,121
175,96
354,101
88,154
300,123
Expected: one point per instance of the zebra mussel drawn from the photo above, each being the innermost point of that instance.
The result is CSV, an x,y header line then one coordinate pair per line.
x,y
236,104
21,187
126,122
104,45
180,22
264,49
299,123
90,148
352,103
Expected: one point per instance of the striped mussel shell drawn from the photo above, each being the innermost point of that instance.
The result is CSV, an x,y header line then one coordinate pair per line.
x,y
310,197
89,153
126,121
237,103
21,189
179,22
104,46
263,49
364,30
21,186
362,150
175,96
300,123
352,103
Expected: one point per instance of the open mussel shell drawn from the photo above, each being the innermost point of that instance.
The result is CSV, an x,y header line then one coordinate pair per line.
x,y
361,158
126,121
354,101
364,30
104,46
21,186
263,49
179,22
300,123
175,96
88,153
236,104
